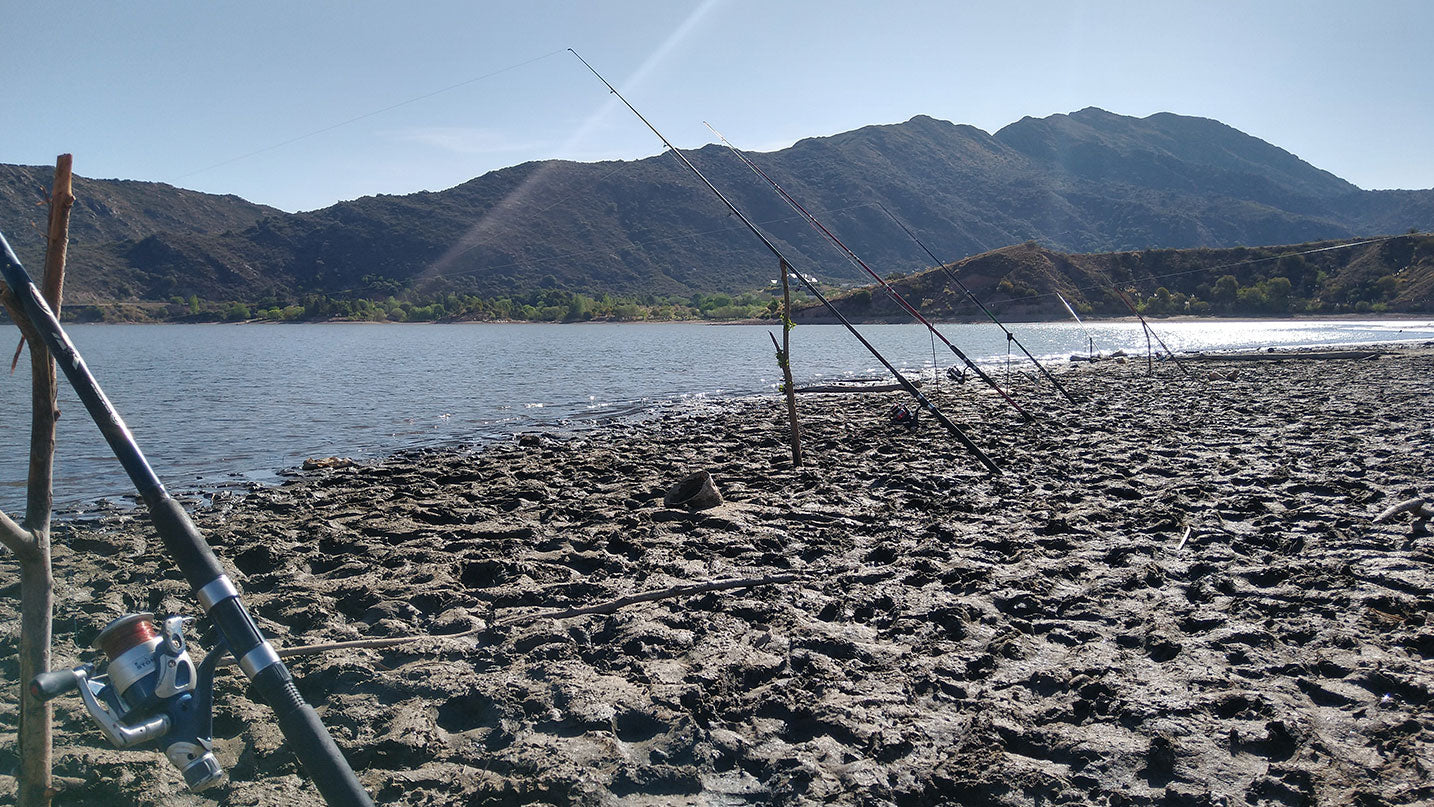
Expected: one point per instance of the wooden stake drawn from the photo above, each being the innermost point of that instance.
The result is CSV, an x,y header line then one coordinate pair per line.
x,y
1149,352
784,358
31,541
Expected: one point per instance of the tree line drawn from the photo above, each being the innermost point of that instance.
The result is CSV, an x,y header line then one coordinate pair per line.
x,y
543,305
1294,286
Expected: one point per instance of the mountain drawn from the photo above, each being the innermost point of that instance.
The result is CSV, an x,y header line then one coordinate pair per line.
x,y
1090,181
109,210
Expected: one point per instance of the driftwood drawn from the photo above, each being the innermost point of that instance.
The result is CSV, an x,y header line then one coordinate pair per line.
x,y
1416,506
1422,513
1289,355
685,590
1184,538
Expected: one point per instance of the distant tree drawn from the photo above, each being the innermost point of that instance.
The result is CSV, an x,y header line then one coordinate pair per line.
x,y
1301,275
1252,300
1225,292
580,309
1161,304
1277,294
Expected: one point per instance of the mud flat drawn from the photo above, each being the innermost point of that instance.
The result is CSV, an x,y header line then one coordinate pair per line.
x,y
1175,595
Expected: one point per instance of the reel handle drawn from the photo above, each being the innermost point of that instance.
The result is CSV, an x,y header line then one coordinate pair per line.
x,y
50,685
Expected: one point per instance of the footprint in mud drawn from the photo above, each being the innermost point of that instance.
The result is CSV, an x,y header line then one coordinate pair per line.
x,y
1277,742
1161,648
469,711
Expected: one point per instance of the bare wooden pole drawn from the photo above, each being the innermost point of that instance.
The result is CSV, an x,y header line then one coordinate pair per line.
x,y
31,541
784,358
1149,352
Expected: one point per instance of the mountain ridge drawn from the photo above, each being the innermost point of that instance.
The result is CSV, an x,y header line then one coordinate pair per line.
x,y
1084,182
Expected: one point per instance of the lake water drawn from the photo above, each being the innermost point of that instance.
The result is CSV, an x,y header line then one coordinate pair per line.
x,y
221,405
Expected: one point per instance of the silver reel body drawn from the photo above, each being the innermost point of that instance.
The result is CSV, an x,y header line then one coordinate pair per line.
x,y
150,694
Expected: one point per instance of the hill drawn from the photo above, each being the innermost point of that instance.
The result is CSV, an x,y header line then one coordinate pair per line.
x,y
1027,281
1090,181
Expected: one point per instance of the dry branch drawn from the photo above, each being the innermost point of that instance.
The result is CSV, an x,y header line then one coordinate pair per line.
x,y
356,644
685,590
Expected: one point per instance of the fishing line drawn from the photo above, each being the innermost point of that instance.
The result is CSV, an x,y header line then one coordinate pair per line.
x,y
365,115
887,287
569,255
970,295
905,383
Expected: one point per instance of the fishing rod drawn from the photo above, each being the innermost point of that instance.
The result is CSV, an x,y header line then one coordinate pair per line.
x,y
1010,337
148,666
1090,340
1149,332
810,286
892,292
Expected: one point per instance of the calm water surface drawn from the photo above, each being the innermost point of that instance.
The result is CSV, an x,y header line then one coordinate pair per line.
x,y
219,405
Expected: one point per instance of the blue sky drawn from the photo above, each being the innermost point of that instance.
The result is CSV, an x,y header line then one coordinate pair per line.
x,y
301,104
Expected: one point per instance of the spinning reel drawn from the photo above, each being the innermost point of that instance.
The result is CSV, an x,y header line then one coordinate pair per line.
x,y
151,695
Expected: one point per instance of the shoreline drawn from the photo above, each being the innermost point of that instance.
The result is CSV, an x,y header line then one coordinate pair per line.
x,y
1052,635
1343,317
80,510
126,501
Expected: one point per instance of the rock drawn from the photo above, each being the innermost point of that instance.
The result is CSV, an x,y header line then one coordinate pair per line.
x,y
319,463
695,492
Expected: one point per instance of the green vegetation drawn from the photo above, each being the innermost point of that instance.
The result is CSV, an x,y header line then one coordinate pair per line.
x,y
1389,276
544,305
1394,274
1271,296
1379,276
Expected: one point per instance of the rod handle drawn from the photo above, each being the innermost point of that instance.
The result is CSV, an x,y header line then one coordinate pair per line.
x,y
311,742
50,685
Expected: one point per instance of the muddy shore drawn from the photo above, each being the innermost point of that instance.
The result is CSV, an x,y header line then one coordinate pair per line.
x,y
1174,595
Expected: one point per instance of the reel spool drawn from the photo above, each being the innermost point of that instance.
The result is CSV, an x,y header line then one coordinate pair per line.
x,y
129,643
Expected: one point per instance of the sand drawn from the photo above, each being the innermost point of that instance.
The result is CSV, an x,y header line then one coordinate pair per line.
x,y
1175,595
